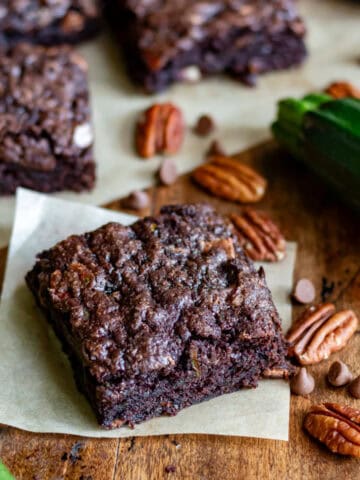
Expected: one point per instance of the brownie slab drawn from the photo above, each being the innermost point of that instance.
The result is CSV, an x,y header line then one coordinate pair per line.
x,y
158,315
48,22
45,125
175,40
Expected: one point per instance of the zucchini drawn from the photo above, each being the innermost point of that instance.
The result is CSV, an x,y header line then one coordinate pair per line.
x,y
324,133
4,473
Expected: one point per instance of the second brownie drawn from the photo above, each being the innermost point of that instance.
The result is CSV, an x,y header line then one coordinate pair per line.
x,y
46,135
167,41
48,22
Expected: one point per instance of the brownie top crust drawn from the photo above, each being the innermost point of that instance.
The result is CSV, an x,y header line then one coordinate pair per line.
x,y
27,17
44,106
165,27
133,297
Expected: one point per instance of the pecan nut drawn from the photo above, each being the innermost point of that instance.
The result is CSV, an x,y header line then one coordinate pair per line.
x,y
260,238
227,178
337,426
319,332
225,244
160,129
342,90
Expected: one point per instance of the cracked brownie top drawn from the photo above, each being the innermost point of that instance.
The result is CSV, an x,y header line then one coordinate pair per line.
x,y
133,297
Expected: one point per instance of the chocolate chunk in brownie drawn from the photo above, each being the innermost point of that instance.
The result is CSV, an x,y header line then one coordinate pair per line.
x,y
159,315
46,135
48,22
181,40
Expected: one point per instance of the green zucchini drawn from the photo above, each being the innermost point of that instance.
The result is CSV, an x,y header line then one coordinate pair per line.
x,y
4,473
324,133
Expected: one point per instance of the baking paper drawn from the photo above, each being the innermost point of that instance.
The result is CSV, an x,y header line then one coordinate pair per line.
x,y
37,390
243,115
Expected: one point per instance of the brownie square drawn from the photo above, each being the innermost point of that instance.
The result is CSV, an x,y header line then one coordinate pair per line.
x,y
45,126
166,41
48,22
159,315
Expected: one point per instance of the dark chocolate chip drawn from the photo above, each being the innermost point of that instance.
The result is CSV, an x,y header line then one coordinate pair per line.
x,y
327,288
204,126
168,172
215,149
339,374
136,200
304,291
170,469
354,388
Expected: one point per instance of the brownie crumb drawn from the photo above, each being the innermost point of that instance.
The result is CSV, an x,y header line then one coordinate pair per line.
x,y
74,453
170,469
327,288
64,456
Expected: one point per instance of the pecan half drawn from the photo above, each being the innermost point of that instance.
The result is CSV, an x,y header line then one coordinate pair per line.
x,y
227,178
342,90
260,238
319,332
337,426
160,129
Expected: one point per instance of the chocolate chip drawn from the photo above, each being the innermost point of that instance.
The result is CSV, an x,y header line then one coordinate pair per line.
x,y
354,388
304,291
302,383
204,126
215,149
168,172
339,374
327,288
136,200
170,469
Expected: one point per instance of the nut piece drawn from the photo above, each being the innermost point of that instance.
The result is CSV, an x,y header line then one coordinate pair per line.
x,y
136,200
204,126
160,129
302,383
168,172
342,90
227,178
319,332
304,291
72,22
337,426
339,374
225,244
354,388
259,236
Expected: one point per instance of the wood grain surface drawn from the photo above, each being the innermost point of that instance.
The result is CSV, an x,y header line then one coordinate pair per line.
x,y
328,252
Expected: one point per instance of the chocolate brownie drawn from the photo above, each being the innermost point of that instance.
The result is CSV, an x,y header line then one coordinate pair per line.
x,y
174,40
45,126
48,21
159,315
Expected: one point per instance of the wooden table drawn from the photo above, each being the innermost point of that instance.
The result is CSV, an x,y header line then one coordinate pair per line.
x,y
328,251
